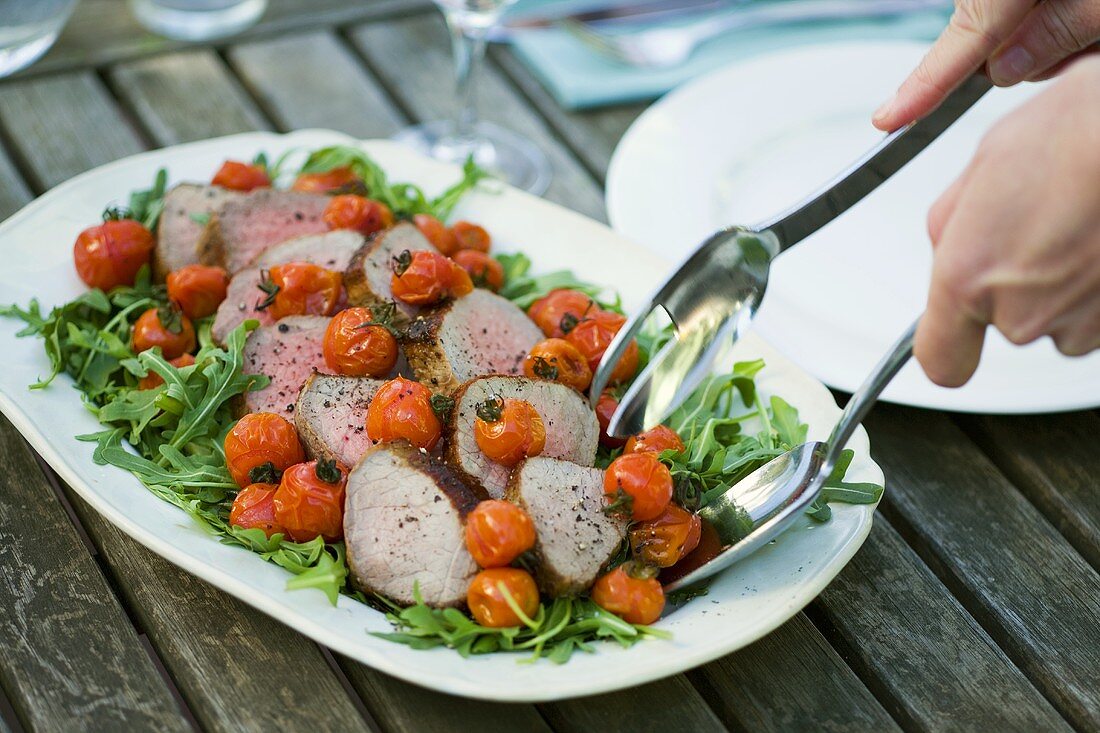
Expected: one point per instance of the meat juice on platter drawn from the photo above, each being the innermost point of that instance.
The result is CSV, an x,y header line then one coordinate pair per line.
x,y
328,369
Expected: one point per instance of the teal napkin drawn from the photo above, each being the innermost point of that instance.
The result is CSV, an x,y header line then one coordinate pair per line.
x,y
579,78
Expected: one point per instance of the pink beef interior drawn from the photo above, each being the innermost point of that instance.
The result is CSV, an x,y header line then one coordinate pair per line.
x,y
340,406
178,233
264,218
288,352
378,265
487,334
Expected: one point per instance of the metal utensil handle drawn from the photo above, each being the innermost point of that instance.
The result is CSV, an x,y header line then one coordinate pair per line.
x,y
864,398
876,165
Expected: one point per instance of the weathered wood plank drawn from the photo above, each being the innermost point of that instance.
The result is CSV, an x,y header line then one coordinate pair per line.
x,y
313,80
13,191
591,134
399,707
71,659
1053,461
186,96
924,657
51,119
1027,586
422,81
102,32
790,680
671,704
237,669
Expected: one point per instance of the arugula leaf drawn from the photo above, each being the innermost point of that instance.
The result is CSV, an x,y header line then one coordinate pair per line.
x,y
788,427
556,631
146,206
523,289
403,199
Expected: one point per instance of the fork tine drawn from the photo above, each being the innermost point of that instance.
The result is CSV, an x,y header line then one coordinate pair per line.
x,y
596,41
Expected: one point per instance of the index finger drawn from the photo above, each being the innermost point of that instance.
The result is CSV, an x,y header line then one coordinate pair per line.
x,y
976,29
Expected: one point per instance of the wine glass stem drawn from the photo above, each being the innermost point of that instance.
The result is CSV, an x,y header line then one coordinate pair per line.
x,y
468,43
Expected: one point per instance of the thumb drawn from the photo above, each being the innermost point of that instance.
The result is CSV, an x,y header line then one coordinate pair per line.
x,y
1051,32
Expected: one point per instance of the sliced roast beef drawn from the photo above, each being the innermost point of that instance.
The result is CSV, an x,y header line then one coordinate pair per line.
x,y
368,275
571,427
243,227
332,250
480,333
403,526
288,351
575,538
187,208
332,416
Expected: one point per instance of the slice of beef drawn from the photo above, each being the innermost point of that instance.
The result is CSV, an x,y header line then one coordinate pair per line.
x,y
481,333
575,538
368,276
243,227
403,525
571,427
178,232
332,250
288,351
332,416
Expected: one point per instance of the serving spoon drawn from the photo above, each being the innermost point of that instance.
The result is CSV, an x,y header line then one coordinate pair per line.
x,y
756,509
715,293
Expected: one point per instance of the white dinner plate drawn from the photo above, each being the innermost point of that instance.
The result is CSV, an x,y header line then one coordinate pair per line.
x,y
745,603
750,140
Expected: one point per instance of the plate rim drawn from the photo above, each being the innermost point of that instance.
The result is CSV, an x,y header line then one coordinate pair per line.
x,y
681,660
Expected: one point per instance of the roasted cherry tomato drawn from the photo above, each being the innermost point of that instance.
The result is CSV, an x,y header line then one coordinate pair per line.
x,y
356,346
471,236
152,380
310,501
300,288
559,361
197,289
167,328
342,180
508,430
483,269
402,409
636,600
359,213
240,176
549,311
485,596
110,254
593,334
254,508
666,539
426,278
497,532
437,233
605,408
655,440
639,484
260,446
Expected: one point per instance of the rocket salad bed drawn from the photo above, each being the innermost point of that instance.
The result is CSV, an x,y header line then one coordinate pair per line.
x,y
172,435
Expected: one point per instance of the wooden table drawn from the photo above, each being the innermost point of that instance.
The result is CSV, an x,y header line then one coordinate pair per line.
x,y
974,605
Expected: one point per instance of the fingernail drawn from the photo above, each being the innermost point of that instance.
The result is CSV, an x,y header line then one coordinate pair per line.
x,y
883,109
1012,66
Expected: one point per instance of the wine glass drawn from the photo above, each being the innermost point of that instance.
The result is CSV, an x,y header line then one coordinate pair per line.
x,y
506,154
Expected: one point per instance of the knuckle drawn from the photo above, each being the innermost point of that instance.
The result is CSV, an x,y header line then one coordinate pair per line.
x,y
1060,29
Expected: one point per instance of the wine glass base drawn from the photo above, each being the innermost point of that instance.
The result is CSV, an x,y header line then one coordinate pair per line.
x,y
506,155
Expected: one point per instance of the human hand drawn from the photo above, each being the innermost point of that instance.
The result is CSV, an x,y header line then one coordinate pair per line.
x,y
1017,237
1021,40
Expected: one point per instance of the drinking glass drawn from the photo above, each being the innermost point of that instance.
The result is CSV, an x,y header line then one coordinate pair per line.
x,y
508,155
197,20
27,30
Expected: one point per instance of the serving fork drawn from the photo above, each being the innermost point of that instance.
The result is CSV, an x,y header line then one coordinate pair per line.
x,y
664,47
713,296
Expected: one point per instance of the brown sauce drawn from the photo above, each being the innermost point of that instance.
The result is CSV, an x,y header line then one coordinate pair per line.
x,y
709,548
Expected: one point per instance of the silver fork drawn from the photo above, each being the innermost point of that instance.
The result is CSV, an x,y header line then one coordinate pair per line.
x,y
715,293
671,46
